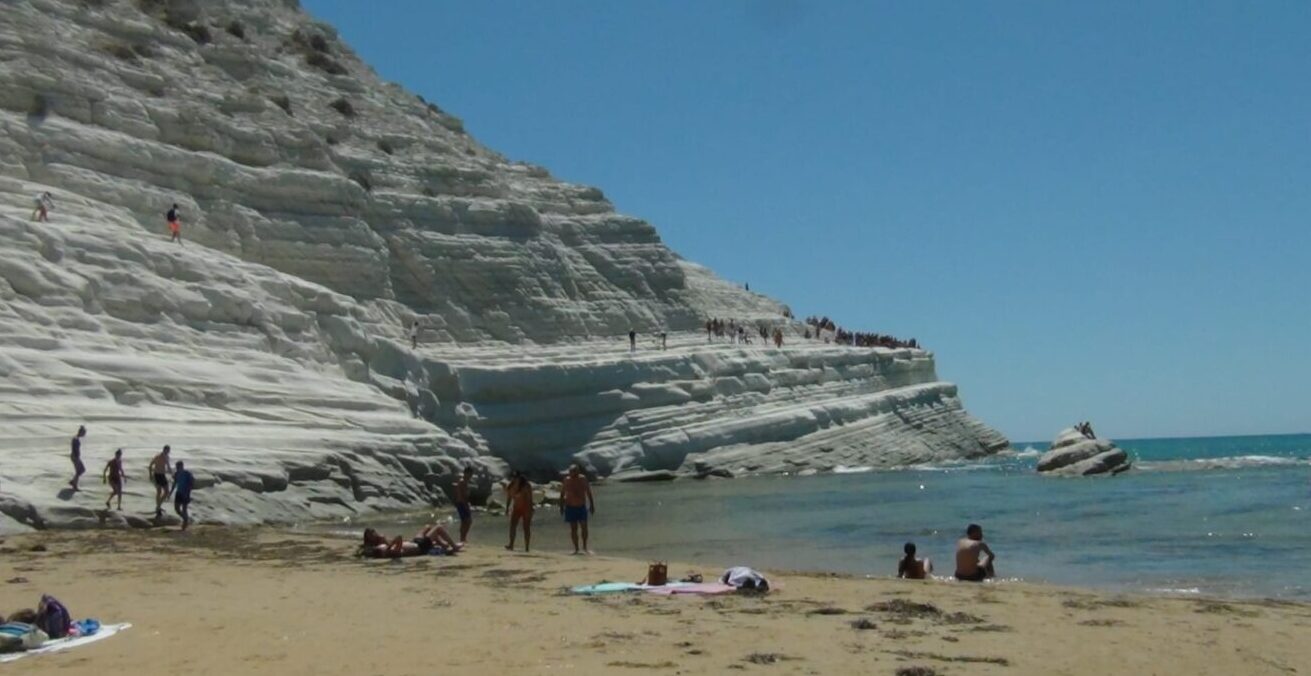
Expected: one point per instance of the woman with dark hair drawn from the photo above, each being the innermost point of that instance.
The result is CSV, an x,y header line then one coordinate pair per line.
x,y
376,545
519,497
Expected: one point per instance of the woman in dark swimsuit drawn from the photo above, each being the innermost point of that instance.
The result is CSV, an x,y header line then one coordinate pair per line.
x,y
114,475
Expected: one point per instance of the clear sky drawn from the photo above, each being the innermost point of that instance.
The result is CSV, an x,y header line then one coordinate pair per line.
x,y
1087,210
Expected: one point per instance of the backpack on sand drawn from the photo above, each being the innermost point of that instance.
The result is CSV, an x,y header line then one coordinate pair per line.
x,y
52,617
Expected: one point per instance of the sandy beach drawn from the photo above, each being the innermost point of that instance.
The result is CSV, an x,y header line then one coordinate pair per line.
x,y
259,601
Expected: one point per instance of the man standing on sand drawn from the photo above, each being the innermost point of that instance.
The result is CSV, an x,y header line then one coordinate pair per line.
x,y
462,506
576,503
76,456
974,560
183,482
174,226
159,469
114,475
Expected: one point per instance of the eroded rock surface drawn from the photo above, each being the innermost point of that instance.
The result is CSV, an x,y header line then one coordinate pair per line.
x,y
324,211
1074,454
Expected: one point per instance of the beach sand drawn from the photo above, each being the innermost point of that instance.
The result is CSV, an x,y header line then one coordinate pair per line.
x,y
259,601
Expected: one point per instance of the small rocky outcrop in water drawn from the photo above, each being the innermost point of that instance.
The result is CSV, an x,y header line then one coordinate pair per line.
x,y
1074,454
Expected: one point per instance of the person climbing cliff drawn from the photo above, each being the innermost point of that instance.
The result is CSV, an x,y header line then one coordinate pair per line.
x,y
45,203
174,226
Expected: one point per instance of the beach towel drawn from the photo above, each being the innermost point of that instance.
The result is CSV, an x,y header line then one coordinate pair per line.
x,y
68,643
616,587
692,589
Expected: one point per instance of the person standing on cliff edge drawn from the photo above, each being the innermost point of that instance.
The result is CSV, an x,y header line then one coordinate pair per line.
x,y
576,503
174,226
76,456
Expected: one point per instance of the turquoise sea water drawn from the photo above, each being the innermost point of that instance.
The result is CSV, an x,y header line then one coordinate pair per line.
x,y
1222,516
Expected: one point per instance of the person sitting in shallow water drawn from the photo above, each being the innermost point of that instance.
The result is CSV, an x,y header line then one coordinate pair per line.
x,y
974,559
911,568
376,545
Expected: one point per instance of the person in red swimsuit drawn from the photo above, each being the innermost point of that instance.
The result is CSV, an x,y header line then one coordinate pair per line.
x,y
519,495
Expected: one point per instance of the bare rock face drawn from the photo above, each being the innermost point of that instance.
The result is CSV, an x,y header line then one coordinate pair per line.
x,y
323,212
1074,454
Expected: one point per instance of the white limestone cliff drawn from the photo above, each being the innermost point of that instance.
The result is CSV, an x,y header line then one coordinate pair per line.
x,y
323,211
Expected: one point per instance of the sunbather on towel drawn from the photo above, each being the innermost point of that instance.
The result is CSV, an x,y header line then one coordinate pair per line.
x,y
377,546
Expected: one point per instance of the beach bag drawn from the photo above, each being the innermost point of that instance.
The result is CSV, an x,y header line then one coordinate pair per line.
x,y
52,617
17,636
657,574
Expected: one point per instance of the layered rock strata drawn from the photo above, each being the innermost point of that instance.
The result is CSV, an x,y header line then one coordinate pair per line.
x,y
1074,454
324,211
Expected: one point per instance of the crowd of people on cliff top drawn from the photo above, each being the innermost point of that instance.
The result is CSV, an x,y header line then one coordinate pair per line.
x,y
738,333
170,479
826,330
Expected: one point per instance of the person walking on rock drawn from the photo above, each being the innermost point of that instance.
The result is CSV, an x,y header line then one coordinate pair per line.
x,y
45,203
414,335
183,482
115,477
462,506
632,340
576,503
174,225
76,456
159,470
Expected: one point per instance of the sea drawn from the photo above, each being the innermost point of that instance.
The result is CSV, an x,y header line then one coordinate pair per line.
x,y
1214,516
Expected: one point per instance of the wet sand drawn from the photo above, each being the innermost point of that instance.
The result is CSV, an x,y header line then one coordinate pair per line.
x,y
259,601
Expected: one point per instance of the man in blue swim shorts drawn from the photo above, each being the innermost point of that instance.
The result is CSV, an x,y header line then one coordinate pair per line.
x,y
577,503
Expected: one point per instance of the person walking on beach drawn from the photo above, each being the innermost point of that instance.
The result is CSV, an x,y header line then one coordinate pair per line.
x,y
76,456
974,559
45,203
576,503
414,335
174,225
911,568
183,482
159,469
632,340
462,506
519,495
114,476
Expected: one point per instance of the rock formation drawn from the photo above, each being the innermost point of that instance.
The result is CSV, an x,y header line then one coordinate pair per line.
x,y
324,211
1074,454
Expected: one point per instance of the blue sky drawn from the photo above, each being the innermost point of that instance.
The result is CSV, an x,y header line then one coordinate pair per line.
x,y
1093,210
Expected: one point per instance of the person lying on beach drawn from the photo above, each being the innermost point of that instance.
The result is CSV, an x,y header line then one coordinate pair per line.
x,y
911,568
974,560
377,546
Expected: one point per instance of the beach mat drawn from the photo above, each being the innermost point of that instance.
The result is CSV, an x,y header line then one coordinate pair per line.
x,y
617,587
697,589
59,644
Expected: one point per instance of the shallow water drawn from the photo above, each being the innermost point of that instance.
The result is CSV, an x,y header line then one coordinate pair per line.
x,y
1227,516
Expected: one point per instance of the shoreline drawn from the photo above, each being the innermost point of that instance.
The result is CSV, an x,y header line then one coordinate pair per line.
x,y
264,600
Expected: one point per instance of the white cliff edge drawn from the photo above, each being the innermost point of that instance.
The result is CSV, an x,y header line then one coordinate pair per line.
x,y
324,211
